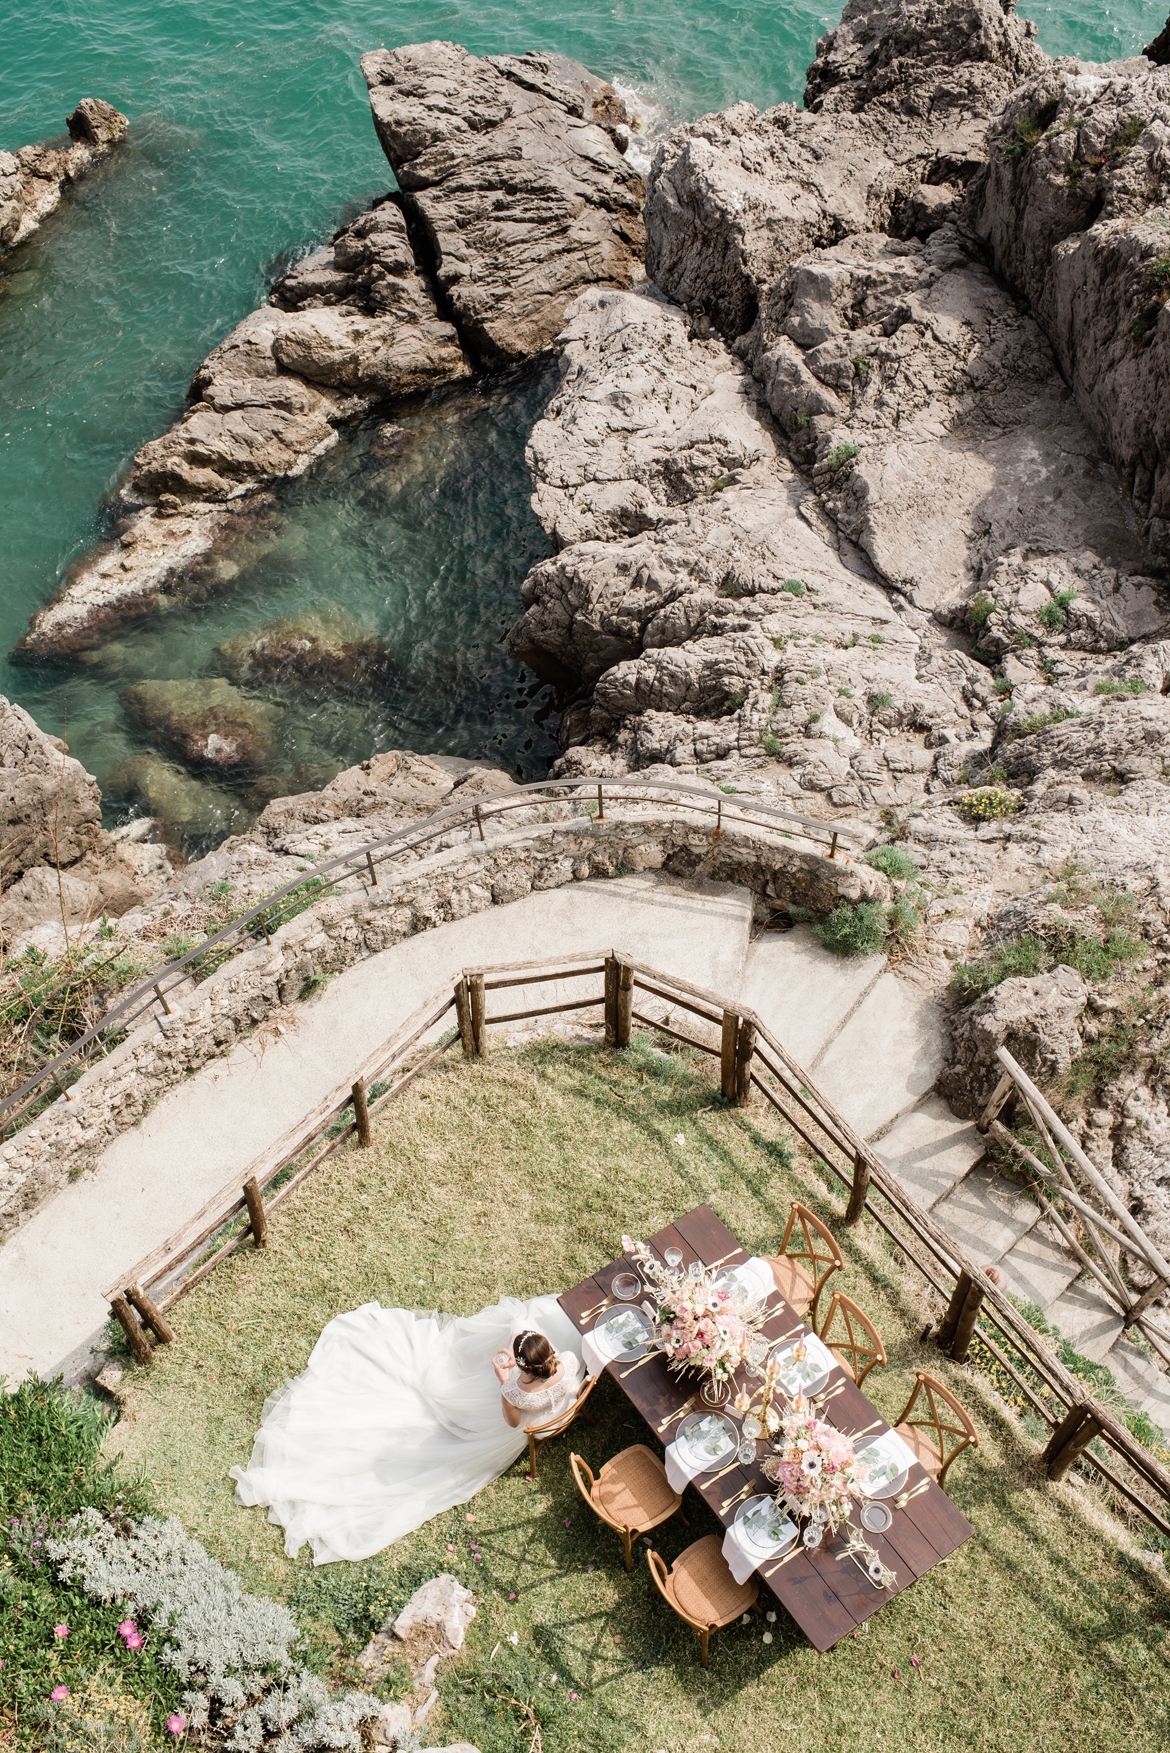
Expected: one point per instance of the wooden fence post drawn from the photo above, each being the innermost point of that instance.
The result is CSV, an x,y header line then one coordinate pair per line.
x,y
860,1188
361,1114
727,1055
999,1096
478,1015
151,1314
1069,1440
463,1016
611,1000
745,1047
958,1323
625,1003
257,1216
132,1328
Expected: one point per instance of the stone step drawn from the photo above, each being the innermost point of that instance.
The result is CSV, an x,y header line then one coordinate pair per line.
x,y
929,1150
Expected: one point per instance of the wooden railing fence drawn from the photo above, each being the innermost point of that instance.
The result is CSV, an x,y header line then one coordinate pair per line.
x,y
978,1313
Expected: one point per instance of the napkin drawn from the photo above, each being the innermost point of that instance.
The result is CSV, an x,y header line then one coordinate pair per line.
x,y
742,1558
682,1467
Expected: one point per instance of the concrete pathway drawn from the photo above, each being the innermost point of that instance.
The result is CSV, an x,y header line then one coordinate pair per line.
x,y
873,1044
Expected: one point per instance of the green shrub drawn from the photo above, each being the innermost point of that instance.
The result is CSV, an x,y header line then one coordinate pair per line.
x,y
854,928
1054,614
1027,130
793,586
987,802
903,920
893,863
844,693
841,454
980,609
1026,727
1134,685
1092,957
882,701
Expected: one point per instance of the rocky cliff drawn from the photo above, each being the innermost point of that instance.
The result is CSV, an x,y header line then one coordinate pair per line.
x,y
33,179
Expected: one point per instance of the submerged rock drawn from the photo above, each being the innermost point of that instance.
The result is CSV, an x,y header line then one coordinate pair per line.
x,y
327,647
205,722
33,179
522,197
191,808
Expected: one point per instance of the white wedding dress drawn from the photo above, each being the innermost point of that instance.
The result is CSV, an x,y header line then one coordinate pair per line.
x,y
396,1418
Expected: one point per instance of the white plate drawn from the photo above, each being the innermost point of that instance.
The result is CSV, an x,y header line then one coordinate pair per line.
x,y
881,1467
707,1438
774,1531
806,1375
742,1287
625,1333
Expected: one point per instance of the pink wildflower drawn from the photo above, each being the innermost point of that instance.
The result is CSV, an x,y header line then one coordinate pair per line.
x,y
59,1693
915,1661
60,1631
512,1597
126,1628
135,1641
897,1673
573,1697
176,1724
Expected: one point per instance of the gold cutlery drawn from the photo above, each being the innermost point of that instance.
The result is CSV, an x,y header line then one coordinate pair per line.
x,y
855,1435
789,1556
670,1418
744,1491
723,1472
597,1309
649,1358
715,1264
901,1502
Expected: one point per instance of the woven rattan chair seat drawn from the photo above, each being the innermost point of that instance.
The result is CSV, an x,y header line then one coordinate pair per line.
x,y
792,1281
634,1491
703,1587
918,1440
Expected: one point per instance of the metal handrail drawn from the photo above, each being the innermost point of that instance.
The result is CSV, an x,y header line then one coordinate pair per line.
x,y
171,974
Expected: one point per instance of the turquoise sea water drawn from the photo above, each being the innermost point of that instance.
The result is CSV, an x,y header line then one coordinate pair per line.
x,y
250,139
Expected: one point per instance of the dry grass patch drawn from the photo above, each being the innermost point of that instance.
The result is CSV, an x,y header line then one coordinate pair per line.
x,y
516,1176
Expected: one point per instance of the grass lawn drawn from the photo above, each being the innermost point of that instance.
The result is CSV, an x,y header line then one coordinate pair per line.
x,y
517,1175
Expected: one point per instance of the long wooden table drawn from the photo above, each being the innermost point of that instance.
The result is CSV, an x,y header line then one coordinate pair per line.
x,y
827,1595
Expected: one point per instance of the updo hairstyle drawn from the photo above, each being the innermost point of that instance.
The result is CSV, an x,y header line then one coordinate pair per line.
x,y
535,1355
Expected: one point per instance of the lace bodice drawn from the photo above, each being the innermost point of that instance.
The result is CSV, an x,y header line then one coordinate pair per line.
x,y
545,1402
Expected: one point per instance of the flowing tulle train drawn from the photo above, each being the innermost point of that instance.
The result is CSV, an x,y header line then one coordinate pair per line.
x,y
396,1418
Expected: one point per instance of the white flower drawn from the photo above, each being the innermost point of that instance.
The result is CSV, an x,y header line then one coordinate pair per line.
x,y
679,1139
514,1636
767,1637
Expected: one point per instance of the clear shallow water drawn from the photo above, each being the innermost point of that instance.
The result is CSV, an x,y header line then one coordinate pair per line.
x,y
250,139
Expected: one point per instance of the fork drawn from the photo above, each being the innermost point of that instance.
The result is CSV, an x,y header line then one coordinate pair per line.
x,y
683,1409
901,1502
744,1491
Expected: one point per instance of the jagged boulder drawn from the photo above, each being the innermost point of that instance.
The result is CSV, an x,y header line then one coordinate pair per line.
x,y
1035,1019
522,197
50,807
33,179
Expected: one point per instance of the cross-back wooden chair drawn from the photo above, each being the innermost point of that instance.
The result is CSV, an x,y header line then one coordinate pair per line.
x,y
942,1429
631,1494
852,1338
701,1589
539,1434
805,1239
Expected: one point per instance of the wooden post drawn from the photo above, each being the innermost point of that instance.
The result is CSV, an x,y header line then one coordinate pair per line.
x,y
257,1216
946,1327
625,1003
463,1016
611,1000
965,1325
745,1047
151,1314
1149,1295
860,1188
999,1096
1069,1440
162,998
727,1055
600,805
132,1328
478,1015
833,847
361,1114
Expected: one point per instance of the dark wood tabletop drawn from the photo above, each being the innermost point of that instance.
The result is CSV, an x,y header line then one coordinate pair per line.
x,y
826,1594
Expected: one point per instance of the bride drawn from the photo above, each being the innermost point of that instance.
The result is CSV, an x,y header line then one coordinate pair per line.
x,y
398,1416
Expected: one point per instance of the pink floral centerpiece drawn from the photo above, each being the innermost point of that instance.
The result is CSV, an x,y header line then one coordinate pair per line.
x,y
814,1468
700,1326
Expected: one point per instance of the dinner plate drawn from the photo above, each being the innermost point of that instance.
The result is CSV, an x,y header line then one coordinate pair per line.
x,y
626,1333
881,1468
764,1527
806,1375
708,1439
742,1287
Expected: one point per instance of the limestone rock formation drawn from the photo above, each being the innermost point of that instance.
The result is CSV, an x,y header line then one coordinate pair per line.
x,y
33,179
1036,1020
520,197
1074,206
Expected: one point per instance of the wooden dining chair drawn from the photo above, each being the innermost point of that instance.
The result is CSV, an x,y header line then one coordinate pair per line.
x,y
857,1346
539,1434
805,1239
701,1589
942,1429
631,1494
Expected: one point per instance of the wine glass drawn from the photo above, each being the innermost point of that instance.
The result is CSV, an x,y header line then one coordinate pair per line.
x,y
674,1259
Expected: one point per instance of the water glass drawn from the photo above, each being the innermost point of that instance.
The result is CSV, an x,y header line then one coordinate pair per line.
x,y
747,1449
695,1269
626,1286
813,1534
